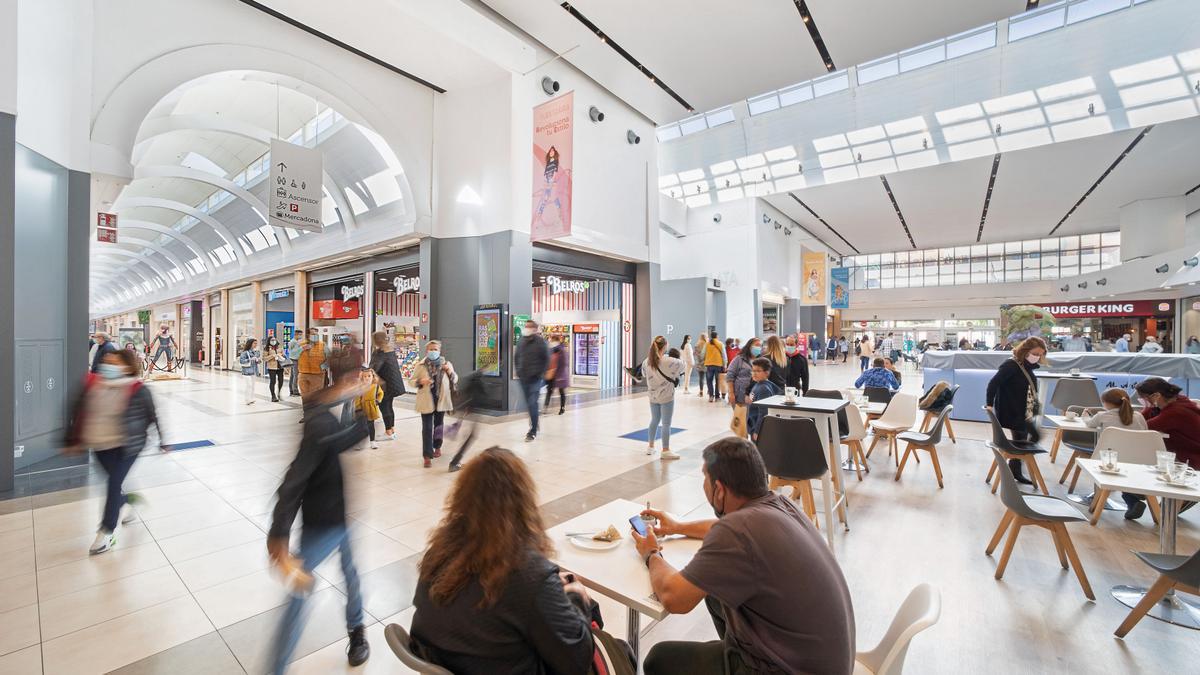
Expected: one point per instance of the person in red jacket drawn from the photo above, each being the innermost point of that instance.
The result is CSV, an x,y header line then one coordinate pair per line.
x,y
1169,412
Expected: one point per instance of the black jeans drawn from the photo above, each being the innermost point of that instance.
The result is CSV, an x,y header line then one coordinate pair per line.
x,y
389,415
698,658
562,396
275,382
431,433
117,463
532,388
1030,434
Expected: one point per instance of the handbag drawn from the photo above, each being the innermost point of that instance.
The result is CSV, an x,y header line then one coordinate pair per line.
x,y
674,381
1031,392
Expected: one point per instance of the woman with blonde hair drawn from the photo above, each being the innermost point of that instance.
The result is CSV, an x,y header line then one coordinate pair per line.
x,y
1012,397
773,349
662,373
488,599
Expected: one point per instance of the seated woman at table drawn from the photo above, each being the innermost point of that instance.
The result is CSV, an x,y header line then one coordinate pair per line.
x,y
1170,413
1118,412
488,600
877,376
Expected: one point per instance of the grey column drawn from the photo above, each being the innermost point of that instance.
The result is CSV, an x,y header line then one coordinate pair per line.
x,y
8,144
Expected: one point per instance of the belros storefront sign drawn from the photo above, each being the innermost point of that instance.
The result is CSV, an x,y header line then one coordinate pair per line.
x,y
1115,308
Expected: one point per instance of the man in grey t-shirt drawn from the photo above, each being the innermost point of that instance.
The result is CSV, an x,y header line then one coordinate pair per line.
x,y
777,596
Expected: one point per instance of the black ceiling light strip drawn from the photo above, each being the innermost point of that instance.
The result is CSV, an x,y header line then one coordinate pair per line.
x,y
814,215
1111,167
818,41
987,199
899,215
338,43
1191,191
626,55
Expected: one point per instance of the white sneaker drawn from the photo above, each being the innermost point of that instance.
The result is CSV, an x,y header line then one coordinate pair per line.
x,y
667,454
389,437
650,450
104,541
128,515
374,445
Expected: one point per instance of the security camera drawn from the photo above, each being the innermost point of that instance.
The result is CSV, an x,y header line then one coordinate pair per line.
x,y
778,226
595,114
1102,282
632,138
1082,285
550,86
787,232
1191,262
1064,288
716,217
766,219
1163,268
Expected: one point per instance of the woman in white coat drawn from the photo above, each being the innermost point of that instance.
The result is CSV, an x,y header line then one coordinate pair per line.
x,y
688,353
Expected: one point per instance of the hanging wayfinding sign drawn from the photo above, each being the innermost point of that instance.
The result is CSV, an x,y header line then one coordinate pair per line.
x,y
294,194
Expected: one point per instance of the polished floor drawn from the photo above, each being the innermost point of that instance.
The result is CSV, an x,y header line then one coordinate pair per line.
x,y
188,590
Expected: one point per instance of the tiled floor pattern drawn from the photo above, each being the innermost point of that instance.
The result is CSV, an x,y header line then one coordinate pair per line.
x,y
188,589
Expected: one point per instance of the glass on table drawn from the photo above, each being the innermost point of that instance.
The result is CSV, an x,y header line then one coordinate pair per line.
x,y
1165,459
1108,459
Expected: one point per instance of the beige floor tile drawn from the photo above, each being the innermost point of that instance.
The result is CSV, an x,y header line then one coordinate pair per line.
x,y
332,659
16,561
404,510
210,539
170,506
59,551
18,591
19,538
370,552
414,534
26,661
190,521
73,611
232,601
16,521
19,628
125,639
116,564
224,565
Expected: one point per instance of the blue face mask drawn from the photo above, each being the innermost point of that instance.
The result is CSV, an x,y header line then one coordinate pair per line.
x,y
314,338
110,371
756,350
433,355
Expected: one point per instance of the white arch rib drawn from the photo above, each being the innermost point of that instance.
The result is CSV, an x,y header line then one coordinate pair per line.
x,y
191,244
174,259
187,210
114,271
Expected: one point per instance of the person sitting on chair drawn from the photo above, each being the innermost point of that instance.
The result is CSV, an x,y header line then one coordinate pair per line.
x,y
877,376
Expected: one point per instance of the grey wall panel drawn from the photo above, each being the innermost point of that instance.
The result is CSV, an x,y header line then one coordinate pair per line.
x,y
78,256
789,321
680,309
7,295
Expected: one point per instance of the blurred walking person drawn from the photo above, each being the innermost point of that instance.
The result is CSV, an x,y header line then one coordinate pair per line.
x,y
387,367
532,358
435,381
558,375
112,417
312,364
368,404
293,355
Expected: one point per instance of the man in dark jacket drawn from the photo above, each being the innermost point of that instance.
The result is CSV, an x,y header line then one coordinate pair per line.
x,y
104,345
533,356
797,369
313,485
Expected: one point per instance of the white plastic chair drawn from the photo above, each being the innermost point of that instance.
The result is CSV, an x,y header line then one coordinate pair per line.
x,y
920,610
857,431
1133,447
899,416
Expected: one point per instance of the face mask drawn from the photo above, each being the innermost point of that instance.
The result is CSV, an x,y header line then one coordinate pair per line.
x,y
791,350
755,350
718,511
314,338
1031,359
110,371
272,343
433,355
527,331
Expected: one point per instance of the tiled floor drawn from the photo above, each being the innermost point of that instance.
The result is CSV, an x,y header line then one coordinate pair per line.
x,y
188,588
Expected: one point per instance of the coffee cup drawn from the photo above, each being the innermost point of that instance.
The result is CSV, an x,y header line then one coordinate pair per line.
x,y
1070,414
1075,371
789,394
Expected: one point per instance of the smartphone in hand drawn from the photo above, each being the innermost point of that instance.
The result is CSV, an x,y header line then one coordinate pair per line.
x,y
639,525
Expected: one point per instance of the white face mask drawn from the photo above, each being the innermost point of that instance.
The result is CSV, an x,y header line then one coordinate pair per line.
x,y
527,331
1032,359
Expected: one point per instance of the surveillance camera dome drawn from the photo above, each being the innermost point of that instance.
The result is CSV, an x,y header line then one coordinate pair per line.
x,y
550,86
632,138
716,217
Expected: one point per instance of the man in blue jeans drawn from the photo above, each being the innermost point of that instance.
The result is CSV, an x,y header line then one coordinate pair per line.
x,y
313,486
533,357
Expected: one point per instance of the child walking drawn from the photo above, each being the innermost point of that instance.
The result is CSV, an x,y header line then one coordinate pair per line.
x,y
368,403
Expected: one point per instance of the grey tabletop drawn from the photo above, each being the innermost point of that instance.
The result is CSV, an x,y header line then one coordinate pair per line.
x,y
805,404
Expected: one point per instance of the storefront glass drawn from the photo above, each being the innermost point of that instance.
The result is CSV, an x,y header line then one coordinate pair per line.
x,y
1190,326
1101,324
593,318
398,313
279,315
241,316
335,309
216,318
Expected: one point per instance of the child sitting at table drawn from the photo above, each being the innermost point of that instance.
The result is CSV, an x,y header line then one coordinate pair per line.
x,y
761,388
1118,412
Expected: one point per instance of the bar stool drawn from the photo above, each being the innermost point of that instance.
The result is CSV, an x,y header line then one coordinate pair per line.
x,y
1067,394
917,440
793,455
1020,450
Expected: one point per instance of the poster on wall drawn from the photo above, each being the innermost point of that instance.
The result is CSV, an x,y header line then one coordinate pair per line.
x,y
294,193
813,285
487,340
552,174
839,288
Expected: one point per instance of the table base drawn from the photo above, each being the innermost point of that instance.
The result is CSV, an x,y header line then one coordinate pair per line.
x,y
633,633
1172,608
1109,504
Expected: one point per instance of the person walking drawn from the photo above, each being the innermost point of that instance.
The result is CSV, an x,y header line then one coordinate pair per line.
x,y
313,364
844,348
558,375
367,404
104,347
387,367
687,353
797,370
532,357
714,364
732,349
738,381
662,373
1012,396
831,350
293,356
1122,345
274,358
435,381
112,417
248,359
313,486
774,350
866,354
1151,346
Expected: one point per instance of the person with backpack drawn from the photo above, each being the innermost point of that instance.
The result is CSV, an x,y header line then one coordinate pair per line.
x,y
662,373
386,365
248,359
435,381
112,417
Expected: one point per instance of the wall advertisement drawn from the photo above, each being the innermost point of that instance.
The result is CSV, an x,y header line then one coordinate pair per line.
x,y
812,286
552,173
487,339
839,288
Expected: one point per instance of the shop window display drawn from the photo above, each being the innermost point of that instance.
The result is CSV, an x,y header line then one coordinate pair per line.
x,y
398,314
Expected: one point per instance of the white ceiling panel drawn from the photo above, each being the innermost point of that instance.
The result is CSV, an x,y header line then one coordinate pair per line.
x,y
859,210
942,203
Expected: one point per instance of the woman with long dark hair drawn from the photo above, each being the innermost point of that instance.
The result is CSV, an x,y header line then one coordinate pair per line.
x,y
1012,396
488,599
248,359
662,373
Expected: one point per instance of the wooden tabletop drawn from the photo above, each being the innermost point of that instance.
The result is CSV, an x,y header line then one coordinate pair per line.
x,y
1139,479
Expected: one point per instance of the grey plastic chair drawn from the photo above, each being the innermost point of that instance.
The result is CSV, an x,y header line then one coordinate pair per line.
x,y
1077,394
878,394
1050,513
792,453
398,639
1174,571
1025,451
931,413
924,440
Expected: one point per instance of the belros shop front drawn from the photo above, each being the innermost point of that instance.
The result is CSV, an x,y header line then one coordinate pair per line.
x,y
1102,322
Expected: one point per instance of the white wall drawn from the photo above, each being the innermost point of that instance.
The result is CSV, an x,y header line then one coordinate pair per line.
x,y
473,193
53,69
8,57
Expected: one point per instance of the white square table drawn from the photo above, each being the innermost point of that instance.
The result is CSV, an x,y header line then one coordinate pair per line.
x,y
822,411
1143,479
618,573
1077,424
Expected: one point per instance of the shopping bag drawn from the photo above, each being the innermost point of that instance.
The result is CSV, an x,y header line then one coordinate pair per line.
x,y
738,424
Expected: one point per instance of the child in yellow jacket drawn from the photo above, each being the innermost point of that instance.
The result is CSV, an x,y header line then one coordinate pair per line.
x,y
368,403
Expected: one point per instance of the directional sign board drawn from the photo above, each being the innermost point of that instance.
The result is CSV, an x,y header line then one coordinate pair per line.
x,y
294,193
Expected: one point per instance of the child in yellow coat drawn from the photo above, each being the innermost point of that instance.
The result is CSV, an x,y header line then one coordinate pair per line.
x,y
368,403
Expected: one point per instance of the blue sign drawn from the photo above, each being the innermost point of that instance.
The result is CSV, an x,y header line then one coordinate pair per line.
x,y
282,293
839,288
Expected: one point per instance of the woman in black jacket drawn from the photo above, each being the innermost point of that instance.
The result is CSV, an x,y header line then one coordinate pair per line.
x,y
387,367
488,600
1012,396
797,370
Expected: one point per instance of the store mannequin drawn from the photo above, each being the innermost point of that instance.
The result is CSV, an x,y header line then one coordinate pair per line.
x,y
166,343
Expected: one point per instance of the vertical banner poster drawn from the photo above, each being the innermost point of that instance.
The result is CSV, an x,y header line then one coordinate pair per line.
x,y
839,288
487,340
813,284
552,155
294,193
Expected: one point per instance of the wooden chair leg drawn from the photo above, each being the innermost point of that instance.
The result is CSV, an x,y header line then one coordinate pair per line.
x,y
1098,501
896,450
1067,469
908,448
810,504
925,422
950,431
854,458
937,466
859,458
874,440
991,472
1058,434
1036,473
1018,523
1074,558
995,483
1153,595
1058,546
1155,510
1005,521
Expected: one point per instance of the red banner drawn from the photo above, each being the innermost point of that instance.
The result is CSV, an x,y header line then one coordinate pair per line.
x,y
1111,308
335,309
108,220
553,124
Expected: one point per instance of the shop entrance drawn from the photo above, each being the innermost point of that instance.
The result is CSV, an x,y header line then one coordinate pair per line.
x,y
279,315
398,315
336,311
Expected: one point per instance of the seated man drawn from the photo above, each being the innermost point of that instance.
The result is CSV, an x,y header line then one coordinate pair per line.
x,y
777,596
877,376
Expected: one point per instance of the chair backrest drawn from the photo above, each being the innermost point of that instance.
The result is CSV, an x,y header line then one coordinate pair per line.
x,y
856,427
843,423
878,394
1010,494
935,432
791,448
920,610
999,439
1133,447
1074,392
902,411
953,392
398,639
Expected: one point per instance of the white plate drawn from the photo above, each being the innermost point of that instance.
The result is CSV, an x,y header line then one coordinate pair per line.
x,y
590,544
1186,484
